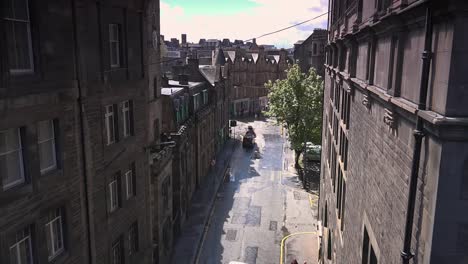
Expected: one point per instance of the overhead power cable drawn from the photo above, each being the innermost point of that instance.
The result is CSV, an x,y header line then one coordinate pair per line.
x,y
295,25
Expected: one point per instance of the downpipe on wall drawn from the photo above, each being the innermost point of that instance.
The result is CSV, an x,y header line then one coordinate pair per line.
x,y
418,134
82,132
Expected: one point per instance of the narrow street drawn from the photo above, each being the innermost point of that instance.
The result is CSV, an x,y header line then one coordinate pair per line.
x,y
261,203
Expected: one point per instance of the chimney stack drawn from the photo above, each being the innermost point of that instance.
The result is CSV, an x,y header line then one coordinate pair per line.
x,y
184,39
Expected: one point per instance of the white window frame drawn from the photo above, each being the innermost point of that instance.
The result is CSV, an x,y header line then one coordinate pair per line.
x,y
30,50
126,118
113,195
17,246
109,114
54,154
55,222
20,153
114,39
130,184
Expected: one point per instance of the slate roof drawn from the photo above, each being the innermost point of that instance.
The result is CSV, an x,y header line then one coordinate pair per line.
x,y
209,72
219,57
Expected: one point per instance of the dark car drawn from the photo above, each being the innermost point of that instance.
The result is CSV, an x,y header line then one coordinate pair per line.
x,y
312,152
248,141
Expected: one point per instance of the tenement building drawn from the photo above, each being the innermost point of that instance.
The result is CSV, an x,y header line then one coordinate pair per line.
x,y
310,53
247,72
40,170
74,185
394,182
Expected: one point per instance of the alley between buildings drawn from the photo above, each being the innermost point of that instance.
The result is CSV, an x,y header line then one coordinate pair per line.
x,y
260,203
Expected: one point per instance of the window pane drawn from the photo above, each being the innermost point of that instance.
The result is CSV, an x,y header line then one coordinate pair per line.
x,y
47,155
110,129
126,123
59,234
114,32
56,227
10,169
114,54
13,256
18,45
109,109
9,140
25,252
21,9
16,9
49,240
131,185
11,43
45,130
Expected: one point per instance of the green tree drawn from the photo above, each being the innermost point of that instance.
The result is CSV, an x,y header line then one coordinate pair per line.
x,y
296,103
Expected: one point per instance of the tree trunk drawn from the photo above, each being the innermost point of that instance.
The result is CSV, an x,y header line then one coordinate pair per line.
x,y
296,158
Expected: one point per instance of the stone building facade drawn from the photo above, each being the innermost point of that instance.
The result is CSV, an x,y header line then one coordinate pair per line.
x,y
40,168
114,89
247,71
195,122
310,53
74,117
376,108
162,203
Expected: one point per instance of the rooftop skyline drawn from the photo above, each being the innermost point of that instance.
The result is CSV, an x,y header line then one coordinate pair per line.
x,y
242,19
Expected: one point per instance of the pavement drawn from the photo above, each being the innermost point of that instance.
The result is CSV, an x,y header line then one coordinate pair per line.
x,y
262,214
187,245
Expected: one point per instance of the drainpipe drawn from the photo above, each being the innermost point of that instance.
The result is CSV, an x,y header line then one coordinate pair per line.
x,y
82,132
418,134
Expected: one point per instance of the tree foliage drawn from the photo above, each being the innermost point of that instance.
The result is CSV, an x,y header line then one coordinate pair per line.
x,y
296,103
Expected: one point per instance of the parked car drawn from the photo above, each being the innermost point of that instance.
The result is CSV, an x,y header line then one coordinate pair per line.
x,y
312,152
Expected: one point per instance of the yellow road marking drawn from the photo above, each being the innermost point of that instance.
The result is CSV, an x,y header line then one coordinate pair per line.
x,y
284,239
310,201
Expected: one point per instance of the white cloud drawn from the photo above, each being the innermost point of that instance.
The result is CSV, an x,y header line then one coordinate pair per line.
x,y
268,16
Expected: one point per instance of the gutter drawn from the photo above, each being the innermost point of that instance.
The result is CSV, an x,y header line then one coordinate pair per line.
x,y
82,132
418,134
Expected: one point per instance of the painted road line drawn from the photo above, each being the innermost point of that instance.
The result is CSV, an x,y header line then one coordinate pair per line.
x,y
312,201
286,237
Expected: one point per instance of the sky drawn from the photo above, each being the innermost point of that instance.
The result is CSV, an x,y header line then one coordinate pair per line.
x,y
242,19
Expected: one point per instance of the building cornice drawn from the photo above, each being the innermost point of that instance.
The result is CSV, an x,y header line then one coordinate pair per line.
x,y
372,92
